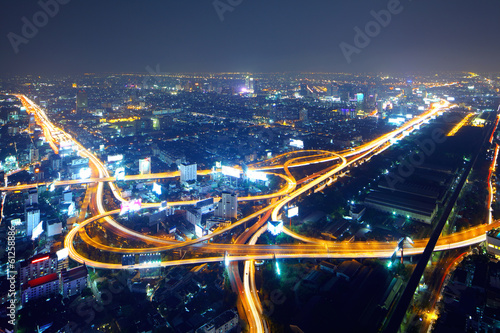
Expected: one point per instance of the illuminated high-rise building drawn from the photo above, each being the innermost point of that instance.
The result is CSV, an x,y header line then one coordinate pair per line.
x,y
81,102
37,266
188,172
32,218
249,84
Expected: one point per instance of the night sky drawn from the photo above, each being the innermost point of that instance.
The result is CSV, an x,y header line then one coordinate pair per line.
x,y
124,36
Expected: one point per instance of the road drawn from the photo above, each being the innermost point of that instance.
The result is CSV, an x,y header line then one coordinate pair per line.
x,y
315,248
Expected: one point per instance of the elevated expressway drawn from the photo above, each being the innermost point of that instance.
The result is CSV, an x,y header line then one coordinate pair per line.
x,y
312,248
315,247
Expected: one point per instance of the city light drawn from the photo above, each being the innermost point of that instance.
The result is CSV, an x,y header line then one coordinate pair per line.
x,y
40,259
62,254
293,211
262,207
230,171
115,158
275,227
256,175
85,173
130,206
37,231
120,173
297,143
157,189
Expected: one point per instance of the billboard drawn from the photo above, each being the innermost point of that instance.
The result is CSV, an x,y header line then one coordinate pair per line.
x,y
198,230
131,206
145,166
16,222
157,188
85,173
80,161
230,171
149,259
293,211
128,259
37,231
115,158
275,227
163,206
62,254
256,175
397,121
297,143
120,173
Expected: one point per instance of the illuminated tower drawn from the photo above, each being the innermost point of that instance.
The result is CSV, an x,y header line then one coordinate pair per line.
x,y
249,84
81,102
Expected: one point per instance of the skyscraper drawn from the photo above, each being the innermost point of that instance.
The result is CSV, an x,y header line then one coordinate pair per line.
x,y
304,115
249,84
408,89
81,102
32,218
304,89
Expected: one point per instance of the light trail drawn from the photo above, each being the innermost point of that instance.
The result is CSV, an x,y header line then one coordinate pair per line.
x,y
250,288
323,250
278,204
490,184
458,126
494,128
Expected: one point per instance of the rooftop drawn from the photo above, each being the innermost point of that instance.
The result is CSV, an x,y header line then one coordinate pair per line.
x,y
38,258
74,273
218,321
495,233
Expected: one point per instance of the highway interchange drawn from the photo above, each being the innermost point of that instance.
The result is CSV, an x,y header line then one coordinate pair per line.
x,y
245,248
